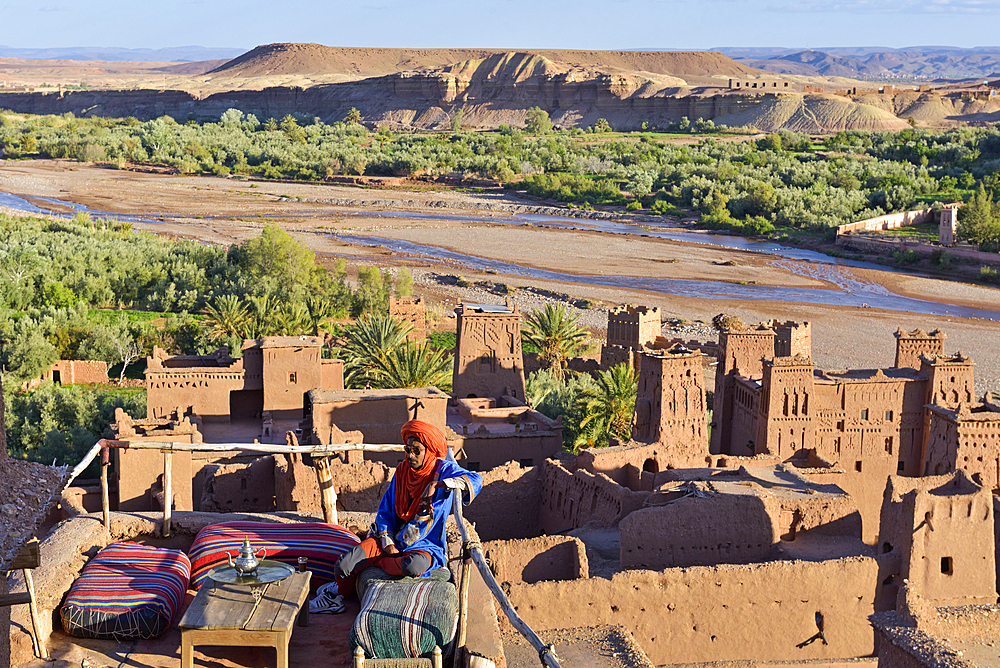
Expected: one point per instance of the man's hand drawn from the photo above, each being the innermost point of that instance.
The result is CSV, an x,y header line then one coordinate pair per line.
x,y
391,549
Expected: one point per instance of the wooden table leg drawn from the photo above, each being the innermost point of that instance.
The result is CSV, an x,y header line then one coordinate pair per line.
x,y
187,651
282,646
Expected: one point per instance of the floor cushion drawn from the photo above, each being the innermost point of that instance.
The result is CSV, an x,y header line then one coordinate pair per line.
x,y
405,619
322,544
376,574
127,591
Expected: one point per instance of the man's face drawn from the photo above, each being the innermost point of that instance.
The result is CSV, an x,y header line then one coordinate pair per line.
x,y
415,453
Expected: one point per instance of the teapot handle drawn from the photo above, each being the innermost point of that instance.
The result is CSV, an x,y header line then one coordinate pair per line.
x,y
262,556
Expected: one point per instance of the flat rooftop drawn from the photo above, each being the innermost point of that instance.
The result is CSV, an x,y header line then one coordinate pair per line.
x,y
321,396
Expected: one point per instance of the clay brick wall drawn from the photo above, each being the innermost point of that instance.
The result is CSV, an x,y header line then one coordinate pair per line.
x,y
530,560
290,372
510,503
616,462
488,361
911,345
670,406
792,338
484,451
786,424
411,311
205,391
572,499
941,530
332,374
741,351
745,395
966,439
757,612
377,414
72,372
633,326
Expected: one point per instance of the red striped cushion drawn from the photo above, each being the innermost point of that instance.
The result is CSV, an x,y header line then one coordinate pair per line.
x,y
322,544
127,591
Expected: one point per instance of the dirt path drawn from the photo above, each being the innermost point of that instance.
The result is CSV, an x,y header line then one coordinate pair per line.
x,y
225,211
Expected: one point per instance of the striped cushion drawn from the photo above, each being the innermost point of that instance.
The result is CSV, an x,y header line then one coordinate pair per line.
x,y
127,591
405,620
322,544
376,574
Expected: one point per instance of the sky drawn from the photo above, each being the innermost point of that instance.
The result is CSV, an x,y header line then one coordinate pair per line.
x,y
577,24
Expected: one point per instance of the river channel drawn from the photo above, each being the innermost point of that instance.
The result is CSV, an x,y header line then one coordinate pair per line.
x,y
850,290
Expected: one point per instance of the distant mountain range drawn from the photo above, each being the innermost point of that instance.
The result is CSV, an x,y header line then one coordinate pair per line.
x,y
175,54
916,62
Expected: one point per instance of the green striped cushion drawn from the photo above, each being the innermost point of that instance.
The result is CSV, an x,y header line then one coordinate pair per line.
x,y
403,620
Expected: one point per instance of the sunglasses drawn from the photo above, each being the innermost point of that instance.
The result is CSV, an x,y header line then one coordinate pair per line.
x,y
413,449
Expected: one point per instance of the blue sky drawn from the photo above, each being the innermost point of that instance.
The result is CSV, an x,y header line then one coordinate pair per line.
x,y
583,24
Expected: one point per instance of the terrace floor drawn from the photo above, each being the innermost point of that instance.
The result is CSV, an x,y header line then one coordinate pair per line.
x,y
324,642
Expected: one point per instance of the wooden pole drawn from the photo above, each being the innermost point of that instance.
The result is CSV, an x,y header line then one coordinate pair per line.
x,y
168,493
327,494
33,609
105,497
546,653
359,657
463,606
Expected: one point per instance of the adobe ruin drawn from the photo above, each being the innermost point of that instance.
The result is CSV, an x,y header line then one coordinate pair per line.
x,y
488,359
410,310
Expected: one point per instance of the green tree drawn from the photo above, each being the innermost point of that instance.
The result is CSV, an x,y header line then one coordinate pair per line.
x,y
413,365
227,318
368,343
607,410
353,116
979,219
320,309
404,282
456,120
276,256
556,334
372,294
537,122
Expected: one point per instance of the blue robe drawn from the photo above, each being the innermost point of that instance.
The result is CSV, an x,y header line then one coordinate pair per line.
x,y
427,533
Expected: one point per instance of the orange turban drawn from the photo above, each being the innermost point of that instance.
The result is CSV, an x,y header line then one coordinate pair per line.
x,y
410,484
428,434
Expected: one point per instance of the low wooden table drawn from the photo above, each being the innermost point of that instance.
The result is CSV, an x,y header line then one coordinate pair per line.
x,y
223,614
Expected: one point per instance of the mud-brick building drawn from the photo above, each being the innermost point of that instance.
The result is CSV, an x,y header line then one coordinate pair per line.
x,y
630,330
272,377
965,438
741,356
488,358
670,401
412,311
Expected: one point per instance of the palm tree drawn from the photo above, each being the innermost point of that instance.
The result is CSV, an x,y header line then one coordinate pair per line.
x,y
262,310
319,309
556,334
227,318
370,340
414,365
607,410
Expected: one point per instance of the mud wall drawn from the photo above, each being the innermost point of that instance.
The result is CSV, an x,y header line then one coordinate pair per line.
x,y
534,560
889,221
571,500
509,505
757,612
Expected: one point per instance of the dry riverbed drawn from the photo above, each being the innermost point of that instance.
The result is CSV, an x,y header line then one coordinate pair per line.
x,y
225,211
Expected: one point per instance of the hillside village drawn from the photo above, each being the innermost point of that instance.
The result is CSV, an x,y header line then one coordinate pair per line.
x,y
849,513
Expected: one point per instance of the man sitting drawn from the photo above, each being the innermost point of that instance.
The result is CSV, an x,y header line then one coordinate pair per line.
x,y
409,533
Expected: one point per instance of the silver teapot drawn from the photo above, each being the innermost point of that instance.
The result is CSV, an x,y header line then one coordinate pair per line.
x,y
246,561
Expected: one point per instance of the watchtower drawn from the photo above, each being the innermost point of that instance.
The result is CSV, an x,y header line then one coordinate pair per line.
x,y
488,357
911,345
670,405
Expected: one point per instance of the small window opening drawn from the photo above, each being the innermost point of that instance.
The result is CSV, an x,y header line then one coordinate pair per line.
x,y
946,566
888,416
864,414
291,377
857,466
900,467
886,548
